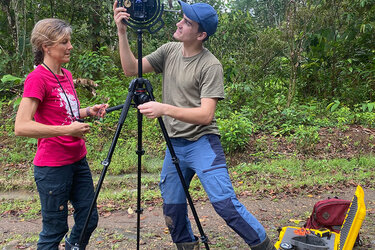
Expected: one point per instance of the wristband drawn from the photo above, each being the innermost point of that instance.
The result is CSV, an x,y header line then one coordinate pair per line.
x,y
88,113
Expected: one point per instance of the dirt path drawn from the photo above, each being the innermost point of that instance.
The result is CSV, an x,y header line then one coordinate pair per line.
x,y
118,230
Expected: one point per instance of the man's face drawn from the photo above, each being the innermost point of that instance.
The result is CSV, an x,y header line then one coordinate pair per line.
x,y
187,30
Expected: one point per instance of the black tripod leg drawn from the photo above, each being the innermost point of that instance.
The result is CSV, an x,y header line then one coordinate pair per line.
x,y
140,152
204,238
107,161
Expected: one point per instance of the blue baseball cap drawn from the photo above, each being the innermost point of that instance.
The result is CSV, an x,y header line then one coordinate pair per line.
x,y
202,13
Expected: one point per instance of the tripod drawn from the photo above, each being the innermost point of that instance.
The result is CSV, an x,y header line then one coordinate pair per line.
x,y
140,91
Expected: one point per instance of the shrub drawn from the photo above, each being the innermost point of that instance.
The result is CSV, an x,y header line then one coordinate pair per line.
x,y
235,131
306,137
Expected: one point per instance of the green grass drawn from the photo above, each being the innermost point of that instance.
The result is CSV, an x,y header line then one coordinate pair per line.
x,y
266,177
26,208
21,240
286,174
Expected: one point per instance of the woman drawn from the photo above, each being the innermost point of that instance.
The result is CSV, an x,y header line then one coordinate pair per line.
x,y
50,111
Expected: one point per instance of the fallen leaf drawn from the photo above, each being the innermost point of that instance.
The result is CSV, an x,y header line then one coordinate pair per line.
x,y
107,214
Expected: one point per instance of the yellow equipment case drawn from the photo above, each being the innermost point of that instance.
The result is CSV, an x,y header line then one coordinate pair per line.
x,y
299,238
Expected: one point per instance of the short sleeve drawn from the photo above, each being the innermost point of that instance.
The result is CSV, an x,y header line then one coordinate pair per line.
x,y
34,86
158,58
212,82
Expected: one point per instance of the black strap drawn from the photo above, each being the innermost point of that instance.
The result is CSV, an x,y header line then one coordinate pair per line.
x,y
75,94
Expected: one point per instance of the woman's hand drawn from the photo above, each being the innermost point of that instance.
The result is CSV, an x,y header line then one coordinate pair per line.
x,y
78,129
98,110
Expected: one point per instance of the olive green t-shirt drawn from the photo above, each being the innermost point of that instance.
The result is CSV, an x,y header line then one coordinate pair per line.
x,y
185,81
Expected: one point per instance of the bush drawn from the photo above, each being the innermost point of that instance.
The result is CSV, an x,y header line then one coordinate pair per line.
x,y
10,86
93,65
306,137
235,131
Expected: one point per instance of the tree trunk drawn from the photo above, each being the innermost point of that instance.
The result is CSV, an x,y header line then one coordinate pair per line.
x,y
293,77
7,8
95,26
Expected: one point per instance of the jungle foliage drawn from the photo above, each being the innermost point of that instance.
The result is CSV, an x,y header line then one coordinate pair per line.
x,y
290,67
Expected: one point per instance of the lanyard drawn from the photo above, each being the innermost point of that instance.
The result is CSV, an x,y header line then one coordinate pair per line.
x,y
66,96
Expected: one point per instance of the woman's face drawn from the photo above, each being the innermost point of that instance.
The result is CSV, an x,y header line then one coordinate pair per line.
x,y
60,51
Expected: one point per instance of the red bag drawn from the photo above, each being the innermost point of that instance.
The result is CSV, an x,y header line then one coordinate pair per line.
x,y
328,214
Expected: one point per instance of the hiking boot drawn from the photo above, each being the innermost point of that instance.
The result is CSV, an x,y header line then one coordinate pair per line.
x,y
194,245
70,246
265,245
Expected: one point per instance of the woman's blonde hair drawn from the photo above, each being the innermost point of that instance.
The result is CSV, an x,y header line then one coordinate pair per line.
x,y
48,31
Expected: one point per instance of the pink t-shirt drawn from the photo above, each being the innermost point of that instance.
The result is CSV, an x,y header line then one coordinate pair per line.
x,y
54,109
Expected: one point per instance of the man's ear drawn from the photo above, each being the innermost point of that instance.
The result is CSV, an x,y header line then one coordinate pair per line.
x,y
202,36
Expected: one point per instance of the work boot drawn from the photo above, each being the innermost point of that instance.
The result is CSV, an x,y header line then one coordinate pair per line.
x,y
194,245
70,246
265,245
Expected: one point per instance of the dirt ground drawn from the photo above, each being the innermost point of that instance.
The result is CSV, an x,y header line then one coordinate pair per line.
x,y
118,230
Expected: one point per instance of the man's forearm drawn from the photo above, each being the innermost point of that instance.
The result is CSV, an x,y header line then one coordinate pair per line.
x,y
128,61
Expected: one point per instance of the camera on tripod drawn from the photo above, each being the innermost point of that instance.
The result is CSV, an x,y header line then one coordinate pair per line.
x,y
144,14
139,9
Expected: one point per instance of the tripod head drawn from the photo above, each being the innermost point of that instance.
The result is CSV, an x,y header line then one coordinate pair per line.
x,y
144,14
141,94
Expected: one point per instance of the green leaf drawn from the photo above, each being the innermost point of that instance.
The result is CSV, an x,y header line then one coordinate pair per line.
x,y
17,102
370,106
10,78
333,105
363,28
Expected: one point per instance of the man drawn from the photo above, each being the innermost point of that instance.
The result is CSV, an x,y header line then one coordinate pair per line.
x,y
192,86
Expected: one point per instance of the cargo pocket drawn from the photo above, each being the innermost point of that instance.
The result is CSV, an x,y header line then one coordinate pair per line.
x,y
218,187
53,196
